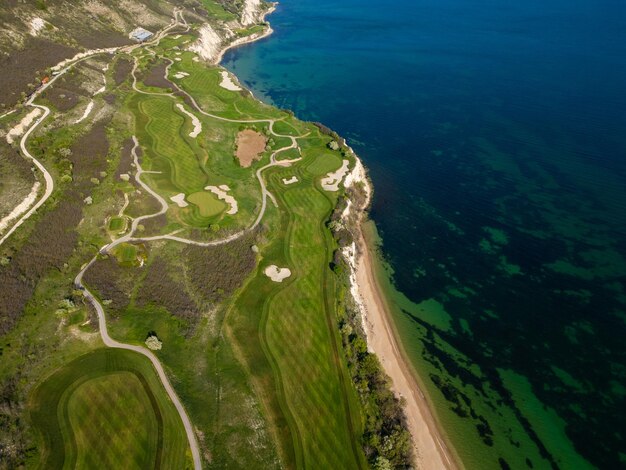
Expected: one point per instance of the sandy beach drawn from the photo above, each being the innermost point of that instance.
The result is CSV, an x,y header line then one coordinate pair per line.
x,y
430,449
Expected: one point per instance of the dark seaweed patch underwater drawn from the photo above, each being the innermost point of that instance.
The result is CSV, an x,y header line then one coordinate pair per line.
x,y
495,134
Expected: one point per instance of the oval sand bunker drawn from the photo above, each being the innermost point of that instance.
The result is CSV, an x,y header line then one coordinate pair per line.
x,y
277,274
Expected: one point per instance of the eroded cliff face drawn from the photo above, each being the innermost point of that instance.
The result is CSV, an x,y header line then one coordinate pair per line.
x,y
252,12
216,36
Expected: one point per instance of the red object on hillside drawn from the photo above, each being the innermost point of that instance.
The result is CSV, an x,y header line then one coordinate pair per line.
x,y
45,80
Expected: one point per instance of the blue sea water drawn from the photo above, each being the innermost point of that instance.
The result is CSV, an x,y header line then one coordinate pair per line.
x,y
495,135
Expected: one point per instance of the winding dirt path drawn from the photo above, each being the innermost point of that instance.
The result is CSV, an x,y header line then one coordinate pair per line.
x,y
46,175
107,340
177,21
78,281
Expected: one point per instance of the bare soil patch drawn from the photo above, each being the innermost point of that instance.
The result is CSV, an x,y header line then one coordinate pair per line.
x,y
250,146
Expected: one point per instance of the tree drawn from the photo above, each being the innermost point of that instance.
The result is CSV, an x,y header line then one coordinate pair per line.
x,y
153,343
382,464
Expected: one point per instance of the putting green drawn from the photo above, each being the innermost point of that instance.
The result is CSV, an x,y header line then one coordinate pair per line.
x,y
107,409
324,164
116,224
127,254
207,203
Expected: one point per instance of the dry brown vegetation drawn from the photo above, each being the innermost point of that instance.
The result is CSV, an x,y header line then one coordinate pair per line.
x,y
13,444
21,67
250,146
48,247
66,92
126,158
16,178
54,237
159,288
122,70
110,281
89,155
154,225
216,272
141,204
155,77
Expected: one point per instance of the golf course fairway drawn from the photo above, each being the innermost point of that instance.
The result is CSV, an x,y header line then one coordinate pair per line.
x,y
107,408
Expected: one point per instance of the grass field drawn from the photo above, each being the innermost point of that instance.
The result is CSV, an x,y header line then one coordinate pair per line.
x,y
295,358
128,254
107,409
117,224
207,203
260,370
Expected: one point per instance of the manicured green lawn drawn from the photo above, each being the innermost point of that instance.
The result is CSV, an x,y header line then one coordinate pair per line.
x,y
107,409
114,423
126,254
295,358
207,203
116,224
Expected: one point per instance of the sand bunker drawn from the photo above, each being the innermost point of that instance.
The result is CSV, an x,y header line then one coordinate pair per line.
x,y
26,121
222,193
227,82
250,146
180,75
197,125
331,181
293,179
277,274
180,200
86,113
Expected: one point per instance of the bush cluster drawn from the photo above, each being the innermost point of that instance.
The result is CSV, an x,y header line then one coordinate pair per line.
x,y
48,247
386,439
216,272
161,289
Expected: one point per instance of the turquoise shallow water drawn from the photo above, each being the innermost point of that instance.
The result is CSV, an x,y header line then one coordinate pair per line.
x,y
495,134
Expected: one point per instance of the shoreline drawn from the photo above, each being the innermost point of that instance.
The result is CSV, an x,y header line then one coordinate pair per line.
x,y
429,447
247,39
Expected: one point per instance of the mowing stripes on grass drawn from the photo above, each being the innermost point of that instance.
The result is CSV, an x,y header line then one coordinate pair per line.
x,y
168,150
108,404
296,338
107,409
